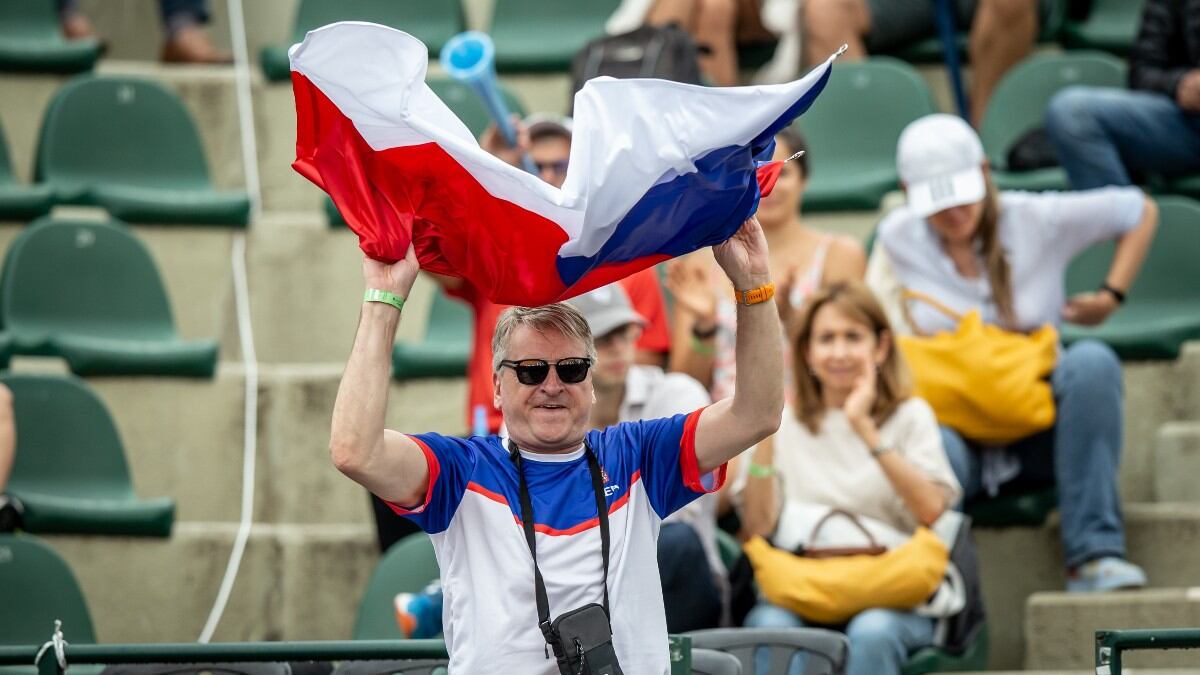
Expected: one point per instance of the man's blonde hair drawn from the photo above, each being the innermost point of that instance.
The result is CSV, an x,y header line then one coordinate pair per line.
x,y
559,317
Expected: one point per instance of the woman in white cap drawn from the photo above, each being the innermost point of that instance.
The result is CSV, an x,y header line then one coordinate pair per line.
x,y
1006,255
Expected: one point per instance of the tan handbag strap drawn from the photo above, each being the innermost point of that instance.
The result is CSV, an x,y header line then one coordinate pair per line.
x,y
909,294
847,515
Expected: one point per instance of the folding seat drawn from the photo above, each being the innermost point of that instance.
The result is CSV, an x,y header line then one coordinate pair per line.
x,y
434,22
407,567
90,293
39,587
1019,106
444,349
852,130
1162,309
1110,25
70,471
544,35
129,145
20,202
31,40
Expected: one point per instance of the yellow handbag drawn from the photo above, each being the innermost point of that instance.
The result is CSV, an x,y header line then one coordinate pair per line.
x,y
987,383
833,590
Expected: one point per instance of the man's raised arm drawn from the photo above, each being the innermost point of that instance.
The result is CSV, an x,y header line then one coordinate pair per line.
x,y
385,462
732,425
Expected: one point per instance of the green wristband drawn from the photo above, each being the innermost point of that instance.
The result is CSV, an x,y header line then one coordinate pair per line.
x,y
376,295
761,470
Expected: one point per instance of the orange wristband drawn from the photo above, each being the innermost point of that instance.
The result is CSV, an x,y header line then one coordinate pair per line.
x,y
755,295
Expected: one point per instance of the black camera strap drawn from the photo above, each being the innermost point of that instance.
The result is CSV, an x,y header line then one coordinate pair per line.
x,y
543,603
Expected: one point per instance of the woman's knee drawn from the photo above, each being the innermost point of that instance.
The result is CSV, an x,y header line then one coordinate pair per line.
x,y
1088,363
875,630
766,615
716,17
1069,112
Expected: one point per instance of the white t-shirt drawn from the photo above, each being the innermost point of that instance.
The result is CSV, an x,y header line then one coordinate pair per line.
x,y
835,468
472,513
1040,232
649,394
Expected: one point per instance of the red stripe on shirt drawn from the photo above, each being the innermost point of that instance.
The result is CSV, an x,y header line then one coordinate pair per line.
x,y
435,469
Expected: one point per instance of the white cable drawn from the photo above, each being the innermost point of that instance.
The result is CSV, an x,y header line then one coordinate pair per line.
x,y
241,291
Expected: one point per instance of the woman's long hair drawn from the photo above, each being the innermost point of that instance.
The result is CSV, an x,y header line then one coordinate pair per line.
x,y
999,274
856,302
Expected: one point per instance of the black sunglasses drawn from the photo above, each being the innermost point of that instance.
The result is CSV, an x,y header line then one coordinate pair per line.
x,y
534,371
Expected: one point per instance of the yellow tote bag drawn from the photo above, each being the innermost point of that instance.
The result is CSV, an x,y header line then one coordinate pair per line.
x,y
987,383
832,590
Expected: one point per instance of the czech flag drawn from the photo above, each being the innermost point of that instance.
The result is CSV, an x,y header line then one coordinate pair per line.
x,y
657,169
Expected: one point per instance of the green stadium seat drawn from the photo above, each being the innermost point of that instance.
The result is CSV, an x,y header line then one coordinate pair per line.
x,y
1162,309
444,350
852,129
544,35
31,40
128,144
466,104
728,548
38,587
407,567
1111,25
1187,185
1019,106
933,660
122,325
20,202
70,470
1029,509
827,651
930,50
434,22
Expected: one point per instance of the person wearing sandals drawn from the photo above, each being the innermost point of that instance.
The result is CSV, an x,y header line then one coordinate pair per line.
x,y
1006,254
854,439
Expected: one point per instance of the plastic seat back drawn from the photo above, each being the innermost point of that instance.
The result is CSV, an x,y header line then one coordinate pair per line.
x,y
433,22
119,130
544,35
826,651
713,662
38,587
407,567
51,261
68,443
449,323
858,118
466,104
1019,104
1111,25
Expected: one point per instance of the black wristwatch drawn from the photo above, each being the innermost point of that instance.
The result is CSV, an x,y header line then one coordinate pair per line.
x,y
1119,296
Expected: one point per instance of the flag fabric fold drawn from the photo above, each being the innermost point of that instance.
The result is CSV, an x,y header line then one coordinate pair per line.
x,y
657,169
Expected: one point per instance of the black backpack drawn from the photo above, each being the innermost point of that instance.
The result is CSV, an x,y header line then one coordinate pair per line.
x,y
664,52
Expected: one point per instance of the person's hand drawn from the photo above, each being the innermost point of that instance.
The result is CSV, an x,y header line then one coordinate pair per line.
x,y
1187,94
862,397
1089,309
493,142
743,256
397,278
692,288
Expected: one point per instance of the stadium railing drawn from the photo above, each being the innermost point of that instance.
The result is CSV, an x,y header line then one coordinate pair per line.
x,y
1111,643
347,650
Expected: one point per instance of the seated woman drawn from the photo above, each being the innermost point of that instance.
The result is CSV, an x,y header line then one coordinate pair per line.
x,y
967,246
856,440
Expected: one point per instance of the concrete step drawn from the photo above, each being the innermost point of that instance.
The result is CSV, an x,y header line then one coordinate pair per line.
x,y
184,439
295,582
1017,562
1177,462
1061,627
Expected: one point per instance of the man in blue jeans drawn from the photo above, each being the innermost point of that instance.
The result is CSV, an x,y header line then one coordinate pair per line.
x,y
1104,135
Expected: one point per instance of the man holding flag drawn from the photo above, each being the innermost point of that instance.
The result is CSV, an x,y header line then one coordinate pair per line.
x,y
467,493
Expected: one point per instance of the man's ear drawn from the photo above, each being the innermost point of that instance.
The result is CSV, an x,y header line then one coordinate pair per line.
x,y
496,390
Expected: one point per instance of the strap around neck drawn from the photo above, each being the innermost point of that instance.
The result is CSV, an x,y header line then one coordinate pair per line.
x,y
543,603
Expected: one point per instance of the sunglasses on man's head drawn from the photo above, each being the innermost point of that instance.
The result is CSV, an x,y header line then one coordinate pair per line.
x,y
534,371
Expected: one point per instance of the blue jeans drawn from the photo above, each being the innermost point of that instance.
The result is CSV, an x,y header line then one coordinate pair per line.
x,y
880,639
1103,134
1080,454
